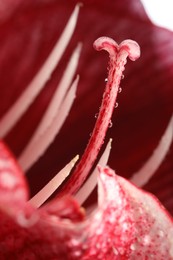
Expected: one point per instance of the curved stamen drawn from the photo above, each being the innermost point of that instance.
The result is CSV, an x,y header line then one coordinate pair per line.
x,y
141,177
118,58
53,184
58,95
84,192
51,113
16,111
37,148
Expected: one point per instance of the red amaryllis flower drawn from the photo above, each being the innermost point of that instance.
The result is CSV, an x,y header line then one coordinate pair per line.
x,y
128,223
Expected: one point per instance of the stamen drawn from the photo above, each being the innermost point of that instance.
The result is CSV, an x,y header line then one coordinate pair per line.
x,y
37,84
52,185
118,56
55,103
91,182
141,177
59,94
36,149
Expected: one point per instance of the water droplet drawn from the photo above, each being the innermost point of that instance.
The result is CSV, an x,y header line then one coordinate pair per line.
x,y
146,240
125,226
106,79
84,246
119,90
122,77
97,245
75,242
99,232
141,211
116,104
133,247
8,180
161,233
77,253
115,250
96,115
110,124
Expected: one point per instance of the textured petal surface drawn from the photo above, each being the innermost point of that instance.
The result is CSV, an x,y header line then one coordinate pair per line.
x,y
128,224
13,187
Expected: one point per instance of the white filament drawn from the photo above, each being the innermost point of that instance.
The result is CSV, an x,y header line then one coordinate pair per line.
x,y
37,84
141,177
55,104
36,149
52,185
59,95
91,182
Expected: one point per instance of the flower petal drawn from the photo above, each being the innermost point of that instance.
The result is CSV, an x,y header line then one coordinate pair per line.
x,y
13,188
129,223
145,104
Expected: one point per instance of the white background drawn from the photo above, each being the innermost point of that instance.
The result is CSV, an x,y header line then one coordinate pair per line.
x,y
160,12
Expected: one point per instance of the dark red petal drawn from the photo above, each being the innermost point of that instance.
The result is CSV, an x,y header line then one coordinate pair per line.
x,y
8,8
145,103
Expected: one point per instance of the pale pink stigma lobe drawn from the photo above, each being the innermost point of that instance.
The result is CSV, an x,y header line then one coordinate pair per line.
x,y
118,58
132,48
105,43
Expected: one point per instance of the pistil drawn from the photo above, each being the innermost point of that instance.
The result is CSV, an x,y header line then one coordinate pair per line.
x,y
118,57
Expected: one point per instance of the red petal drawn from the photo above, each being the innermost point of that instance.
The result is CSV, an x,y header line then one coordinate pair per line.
x,y
13,189
145,104
129,224
65,208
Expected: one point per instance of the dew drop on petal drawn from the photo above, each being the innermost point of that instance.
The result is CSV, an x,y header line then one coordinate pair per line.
x,y
84,246
97,245
161,233
76,254
122,77
106,79
75,242
110,124
133,247
146,240
119,90
116,104
7,180
96,115
115,250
